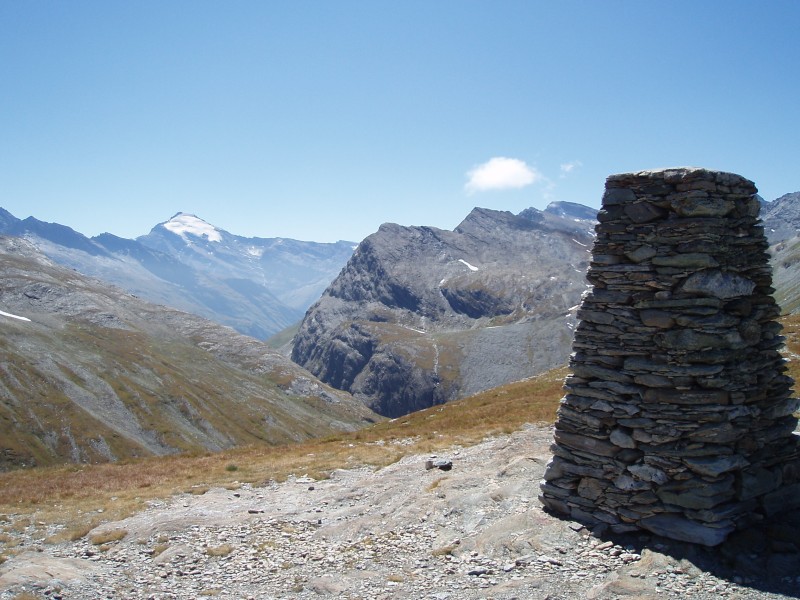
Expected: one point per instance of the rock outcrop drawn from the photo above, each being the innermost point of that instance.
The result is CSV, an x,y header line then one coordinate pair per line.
x,y
420,316
678,417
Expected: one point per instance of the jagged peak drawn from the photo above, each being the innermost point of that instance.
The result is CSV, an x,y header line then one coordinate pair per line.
x,y
480,218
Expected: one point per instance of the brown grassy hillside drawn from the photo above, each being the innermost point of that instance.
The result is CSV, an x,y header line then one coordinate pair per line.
x,y
73,495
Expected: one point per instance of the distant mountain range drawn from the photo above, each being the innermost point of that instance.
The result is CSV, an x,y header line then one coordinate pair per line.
x,y
416,316
258,286
90,373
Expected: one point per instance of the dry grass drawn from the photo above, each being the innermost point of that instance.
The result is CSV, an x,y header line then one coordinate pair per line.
x,y
6,539
435,483
106,537
791,331
444,550
222,550
82,497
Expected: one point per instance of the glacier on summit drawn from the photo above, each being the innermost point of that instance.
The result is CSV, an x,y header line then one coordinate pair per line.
x,y
184,223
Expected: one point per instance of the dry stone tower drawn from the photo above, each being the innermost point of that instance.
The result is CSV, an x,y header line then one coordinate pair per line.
x,y
678,417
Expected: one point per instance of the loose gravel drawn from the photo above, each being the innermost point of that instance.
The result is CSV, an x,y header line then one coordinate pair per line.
x,y
474,531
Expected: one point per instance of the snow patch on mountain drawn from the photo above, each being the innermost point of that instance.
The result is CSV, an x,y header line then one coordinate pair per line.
x,y
469,266
183,224
5,314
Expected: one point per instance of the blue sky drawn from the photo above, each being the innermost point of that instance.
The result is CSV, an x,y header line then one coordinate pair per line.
x,y
322,120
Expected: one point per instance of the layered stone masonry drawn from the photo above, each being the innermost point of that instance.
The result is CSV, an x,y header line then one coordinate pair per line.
x,y
678,417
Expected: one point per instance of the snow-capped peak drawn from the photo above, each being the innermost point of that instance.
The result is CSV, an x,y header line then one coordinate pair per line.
x,y
183,223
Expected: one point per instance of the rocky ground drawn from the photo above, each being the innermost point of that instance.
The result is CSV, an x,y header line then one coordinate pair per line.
x,y
474,531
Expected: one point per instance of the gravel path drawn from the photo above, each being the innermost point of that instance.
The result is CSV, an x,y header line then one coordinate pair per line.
x,y
475,531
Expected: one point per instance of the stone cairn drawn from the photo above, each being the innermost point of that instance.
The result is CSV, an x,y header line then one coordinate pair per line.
x,y
678,418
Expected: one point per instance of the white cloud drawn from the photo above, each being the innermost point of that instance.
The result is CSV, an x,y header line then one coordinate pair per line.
x,y
500,173
567,168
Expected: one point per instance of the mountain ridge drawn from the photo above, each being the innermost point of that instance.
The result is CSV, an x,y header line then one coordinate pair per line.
x,y
781,217
259,286
416,317
413,316
415,312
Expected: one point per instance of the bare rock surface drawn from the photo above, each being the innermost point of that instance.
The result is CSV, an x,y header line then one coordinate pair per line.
x,y
475,531
420,316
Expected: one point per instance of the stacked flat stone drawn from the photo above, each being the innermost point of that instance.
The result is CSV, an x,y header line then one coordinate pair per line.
x,y
678,417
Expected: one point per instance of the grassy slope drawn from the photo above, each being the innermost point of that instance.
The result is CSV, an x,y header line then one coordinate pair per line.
x,y
98,375
72,494
283,337
791,330
166,387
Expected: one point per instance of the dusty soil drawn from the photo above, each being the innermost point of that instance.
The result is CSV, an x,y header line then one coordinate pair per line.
x,y
475,531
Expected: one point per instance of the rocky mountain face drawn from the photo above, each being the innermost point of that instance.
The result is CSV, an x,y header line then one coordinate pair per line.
x,y
785,260
781,217
420,315
258,286
89,373
781,225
